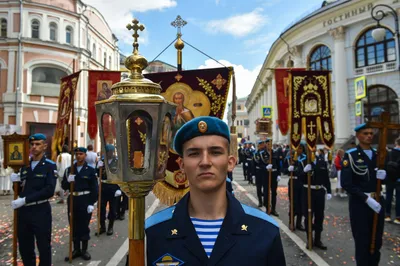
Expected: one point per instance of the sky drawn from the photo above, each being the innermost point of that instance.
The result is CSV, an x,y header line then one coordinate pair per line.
x,y
236,33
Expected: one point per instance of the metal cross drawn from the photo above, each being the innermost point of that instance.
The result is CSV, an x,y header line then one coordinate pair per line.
x,y
135,27
311,126
178,23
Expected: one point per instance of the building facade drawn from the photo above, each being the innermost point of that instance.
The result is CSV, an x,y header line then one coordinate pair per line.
x,y
242,119
42,41
337,37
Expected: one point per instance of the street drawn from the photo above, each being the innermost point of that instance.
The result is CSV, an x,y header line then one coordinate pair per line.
x,y
111,250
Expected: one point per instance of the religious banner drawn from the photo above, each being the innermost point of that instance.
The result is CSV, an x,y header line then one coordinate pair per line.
x,y
311,108
196,93
282,97
99,88
65,104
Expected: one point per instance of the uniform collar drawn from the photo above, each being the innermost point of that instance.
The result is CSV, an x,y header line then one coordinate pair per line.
x,y
231,227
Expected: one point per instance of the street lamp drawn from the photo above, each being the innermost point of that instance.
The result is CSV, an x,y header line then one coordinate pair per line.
x,y
135,130
379,33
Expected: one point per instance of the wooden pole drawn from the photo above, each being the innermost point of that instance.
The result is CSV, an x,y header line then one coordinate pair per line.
x,y
309,233
270,180
136,231
99,202
291,194
15,224
71,184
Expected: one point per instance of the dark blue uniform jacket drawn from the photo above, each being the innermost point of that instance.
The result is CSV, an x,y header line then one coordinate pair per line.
x,y
247,237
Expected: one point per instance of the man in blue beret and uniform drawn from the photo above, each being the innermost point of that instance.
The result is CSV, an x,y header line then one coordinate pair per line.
x,y
109,192
259,171
38,182
359,178
85,195
208,226
249,162
275,168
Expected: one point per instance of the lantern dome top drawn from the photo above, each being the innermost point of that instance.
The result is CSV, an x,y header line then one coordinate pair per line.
x,y
136,63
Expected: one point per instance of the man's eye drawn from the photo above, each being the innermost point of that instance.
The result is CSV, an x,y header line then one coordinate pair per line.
x,y
216,152
191,154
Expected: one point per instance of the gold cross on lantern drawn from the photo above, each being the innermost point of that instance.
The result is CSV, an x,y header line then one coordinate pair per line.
x,y
135,27
311,126
178,23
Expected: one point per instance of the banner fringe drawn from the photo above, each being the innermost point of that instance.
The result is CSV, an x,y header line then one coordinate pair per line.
x,y
168,194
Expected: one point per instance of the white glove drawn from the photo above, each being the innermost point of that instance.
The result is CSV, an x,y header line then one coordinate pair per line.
x,y
269,167
278,178
15,177
246,164
374,205
253,177
291,168
328,196
100,164
71,178
381,174
15,204
307,168
117,193
90,209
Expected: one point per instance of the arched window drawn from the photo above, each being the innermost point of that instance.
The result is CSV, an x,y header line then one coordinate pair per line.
x,y
321,59
290,63
109,62
46,81
105,60
94,51
53,31
68,34
35,29
3,27
382,98
370,52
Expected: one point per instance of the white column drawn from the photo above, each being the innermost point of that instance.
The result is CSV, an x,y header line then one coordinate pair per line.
x,y
265,96
297,59
342,127
274,112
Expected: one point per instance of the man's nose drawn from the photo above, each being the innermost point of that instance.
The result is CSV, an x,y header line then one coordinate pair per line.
x,y
205,159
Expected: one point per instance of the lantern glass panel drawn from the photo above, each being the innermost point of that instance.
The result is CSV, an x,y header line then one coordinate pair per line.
x,y
138,128
109,133
163,148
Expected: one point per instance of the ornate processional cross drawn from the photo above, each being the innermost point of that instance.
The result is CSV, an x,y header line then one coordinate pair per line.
x,y
311,127
178,23
135,27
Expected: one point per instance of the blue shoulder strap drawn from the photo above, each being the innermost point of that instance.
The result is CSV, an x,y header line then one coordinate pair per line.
x,y
50,161
351,150
259,214
159,217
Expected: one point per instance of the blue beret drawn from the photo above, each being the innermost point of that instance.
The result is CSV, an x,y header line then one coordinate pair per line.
x,y
110,147
37,136
267,140
260,141
81,149
200,126
359,127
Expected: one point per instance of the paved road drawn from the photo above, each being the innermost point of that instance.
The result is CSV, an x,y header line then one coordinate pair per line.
x,y
111,251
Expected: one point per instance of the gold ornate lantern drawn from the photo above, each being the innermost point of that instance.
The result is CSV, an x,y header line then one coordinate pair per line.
x,y
135,130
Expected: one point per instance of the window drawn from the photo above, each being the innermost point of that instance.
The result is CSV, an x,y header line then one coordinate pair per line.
x,y
239,107
53,31
370,52
3,27
241,122
237,122
35,28
321,59
105,60
109,62
46,81
240,135
382,98
94,51
88,43
68,35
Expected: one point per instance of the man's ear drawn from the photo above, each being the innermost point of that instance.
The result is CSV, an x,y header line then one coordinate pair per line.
x,y
181,164
231,163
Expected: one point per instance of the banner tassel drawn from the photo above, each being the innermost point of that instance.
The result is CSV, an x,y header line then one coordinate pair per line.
x,y
168,194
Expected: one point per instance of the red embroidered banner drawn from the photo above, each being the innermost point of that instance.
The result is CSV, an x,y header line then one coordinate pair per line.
x,y
311,108
99,88
282,97
65,104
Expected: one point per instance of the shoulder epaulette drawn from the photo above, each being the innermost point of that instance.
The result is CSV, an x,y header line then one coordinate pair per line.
x,y
259,214
91,167
351,150
50,161
228,180
159,217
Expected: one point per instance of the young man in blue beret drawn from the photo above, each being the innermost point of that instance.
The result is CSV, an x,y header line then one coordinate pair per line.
x,y
359,178
85,195
208,226
38,182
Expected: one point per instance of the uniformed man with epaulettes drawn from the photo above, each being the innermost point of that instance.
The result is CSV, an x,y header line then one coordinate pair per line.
x,y
320,189
109,192
249,153
299,162
275,177
34,211
359,178
243,156
247,159
259,171
85,195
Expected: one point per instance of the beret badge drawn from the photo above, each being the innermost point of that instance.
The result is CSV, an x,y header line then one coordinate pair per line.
x,y
202,126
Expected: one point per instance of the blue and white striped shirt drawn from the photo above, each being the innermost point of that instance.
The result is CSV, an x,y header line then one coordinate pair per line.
x,y
207,231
